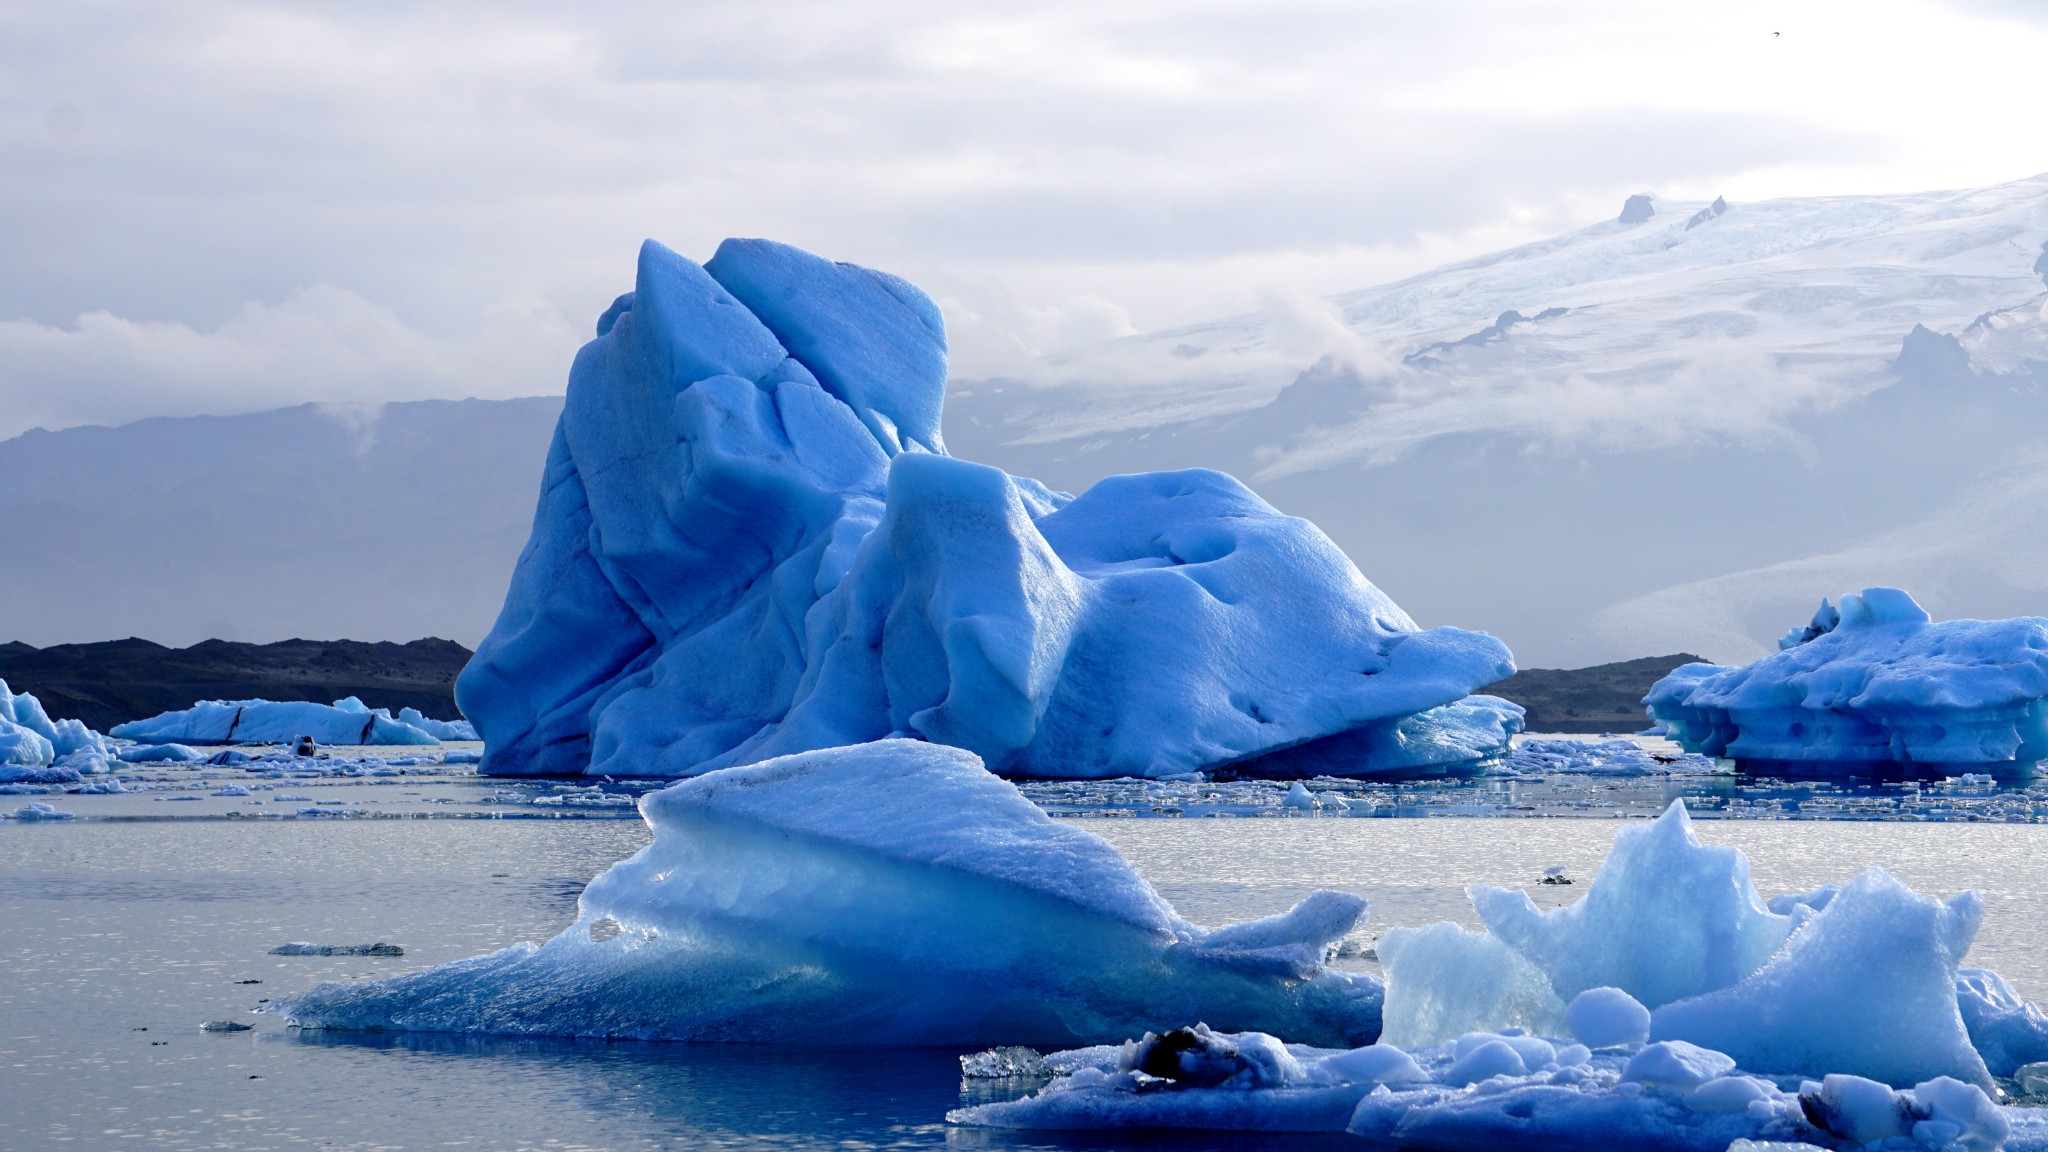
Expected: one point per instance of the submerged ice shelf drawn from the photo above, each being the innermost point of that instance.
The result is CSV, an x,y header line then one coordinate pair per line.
x,y
750,542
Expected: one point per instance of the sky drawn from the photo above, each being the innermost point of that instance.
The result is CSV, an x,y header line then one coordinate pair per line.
x,y
221,207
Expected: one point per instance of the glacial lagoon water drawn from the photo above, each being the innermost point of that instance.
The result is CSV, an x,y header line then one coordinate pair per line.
x,y
120,936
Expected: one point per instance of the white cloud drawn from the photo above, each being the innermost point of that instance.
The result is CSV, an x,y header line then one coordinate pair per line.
x,y
1124,159
322,344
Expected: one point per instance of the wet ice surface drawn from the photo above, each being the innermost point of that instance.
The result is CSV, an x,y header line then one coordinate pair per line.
x,y
117,925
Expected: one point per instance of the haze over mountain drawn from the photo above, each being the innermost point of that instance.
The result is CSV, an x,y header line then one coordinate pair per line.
x,y
1670,434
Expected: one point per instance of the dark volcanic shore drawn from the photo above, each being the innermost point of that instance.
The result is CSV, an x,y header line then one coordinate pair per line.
x,y
114,681
1603,698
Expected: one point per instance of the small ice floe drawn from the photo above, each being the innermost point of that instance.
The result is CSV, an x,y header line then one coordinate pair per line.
x,y
227,756
158,754
1007,1063
37,774
462,756
232,790
1555,875
303,949
332,813
1607,757
38,810
584,798
224,1026
105,786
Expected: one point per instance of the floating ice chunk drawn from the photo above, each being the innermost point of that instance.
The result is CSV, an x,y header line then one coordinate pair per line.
x,y
1380,1063
158,754
303,949
1676,1064
1484,1091
1867,986
1299,797
750,543
36,810
1444,981
1004,1063
1292,944
1607,1018
889,893
1666,917
1941,1113
438,729
1884,686
273,721
1603,758
34,773
29,738
2006,1031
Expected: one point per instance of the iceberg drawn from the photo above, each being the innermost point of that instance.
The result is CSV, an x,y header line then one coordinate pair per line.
x,y
438,729
273,721
893,893
1874,684
31,741
1672,942
1837,1019
1487,1090
750,542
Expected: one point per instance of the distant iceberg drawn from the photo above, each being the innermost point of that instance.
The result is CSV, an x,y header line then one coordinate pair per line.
x,y
750,542
346,721
438,729
893,893
37,749
1873,684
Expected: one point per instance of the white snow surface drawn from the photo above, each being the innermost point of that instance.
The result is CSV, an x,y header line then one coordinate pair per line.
x,y
886,894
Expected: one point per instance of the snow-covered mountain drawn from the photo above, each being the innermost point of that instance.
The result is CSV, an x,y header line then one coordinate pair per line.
x,y
1637,437
1674,434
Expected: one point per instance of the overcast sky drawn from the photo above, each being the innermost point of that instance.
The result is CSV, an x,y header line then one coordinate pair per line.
x,y
223,207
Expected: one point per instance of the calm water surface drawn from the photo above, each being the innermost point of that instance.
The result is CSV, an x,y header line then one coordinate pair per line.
x,y
118,940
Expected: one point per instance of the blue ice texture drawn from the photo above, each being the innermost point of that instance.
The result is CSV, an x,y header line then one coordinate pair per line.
x,y
438,729
750,542
1671,1007
35,749
893,893
1872,683
346,721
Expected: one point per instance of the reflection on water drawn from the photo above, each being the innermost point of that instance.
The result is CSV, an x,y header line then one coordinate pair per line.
x,y
118,940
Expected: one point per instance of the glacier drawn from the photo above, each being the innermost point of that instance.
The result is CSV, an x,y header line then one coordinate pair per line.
x,y
346,721
750,542
893,893
1699,1015
1872,685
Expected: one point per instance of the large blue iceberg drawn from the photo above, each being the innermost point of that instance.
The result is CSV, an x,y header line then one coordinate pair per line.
x,y
750,542
1874,684
890,894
